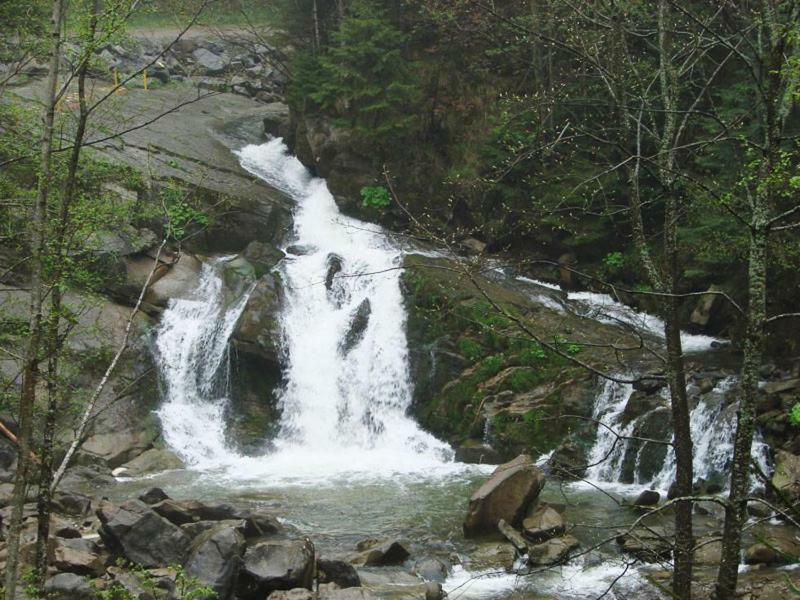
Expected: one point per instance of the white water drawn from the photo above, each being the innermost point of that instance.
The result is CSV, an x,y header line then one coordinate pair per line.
x,y
344,412
712,425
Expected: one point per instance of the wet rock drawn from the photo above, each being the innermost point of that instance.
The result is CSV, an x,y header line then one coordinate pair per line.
x,y
301,249
258,329
338,572
358,326
513,536
431,569
179,279
261,523
215,559
275,565
542,523
391,552
334,268
262,256
153,496
434,591
704,309
239,274
648,386
507,494
386,577
474,246
141,535
492,556
647,498
67,533
68,586
154,460
552,552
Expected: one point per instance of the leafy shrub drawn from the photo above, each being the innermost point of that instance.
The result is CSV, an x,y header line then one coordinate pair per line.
x,y
375,197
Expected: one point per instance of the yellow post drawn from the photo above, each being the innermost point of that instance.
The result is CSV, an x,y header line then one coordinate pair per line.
x,y
144,76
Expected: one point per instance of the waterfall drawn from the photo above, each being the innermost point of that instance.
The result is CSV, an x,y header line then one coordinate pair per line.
x,y
648,464
192,355
347,386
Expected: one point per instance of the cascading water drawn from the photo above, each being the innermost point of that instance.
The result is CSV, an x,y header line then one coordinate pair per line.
x,y
713,428
347,383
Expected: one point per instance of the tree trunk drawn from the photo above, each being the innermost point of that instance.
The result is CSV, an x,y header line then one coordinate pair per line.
x,y
30,368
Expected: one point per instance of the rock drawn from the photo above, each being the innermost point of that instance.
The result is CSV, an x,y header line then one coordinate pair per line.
x,y
179,512
68,586
513,536
301,249
648,386
477,452
542,523
261,523
346,594
275,565
704,308
119,447
75,505
150,461
647,498
708,551
392,552
777,545
72,560
262,256
141,535
434,591
209,62
431,569
359,321
339,572
507,494
492,556
552,552
215,559
180,280
194,529
153,496
648,545
474,246
295,594
787,474
68,533
276,120
334,268
258,330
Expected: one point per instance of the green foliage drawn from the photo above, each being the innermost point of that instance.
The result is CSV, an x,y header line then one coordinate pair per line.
x,y
614,261
470,349
181,214
186,587
794,415
375,197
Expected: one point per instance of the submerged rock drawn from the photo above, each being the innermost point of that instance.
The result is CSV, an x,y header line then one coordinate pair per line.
x,y
507,494
552,552
647,498
153,496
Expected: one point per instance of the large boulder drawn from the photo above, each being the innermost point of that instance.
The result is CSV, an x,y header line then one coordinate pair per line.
x,y
338,572
141,535
507,494
359,321
118,447
179,280
210,63
552,552
215,559
275,565
258,330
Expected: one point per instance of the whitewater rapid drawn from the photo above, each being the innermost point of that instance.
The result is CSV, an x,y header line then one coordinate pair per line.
x,y
347,390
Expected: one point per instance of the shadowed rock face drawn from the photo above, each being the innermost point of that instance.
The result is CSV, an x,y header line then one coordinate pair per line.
x,y
507,494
